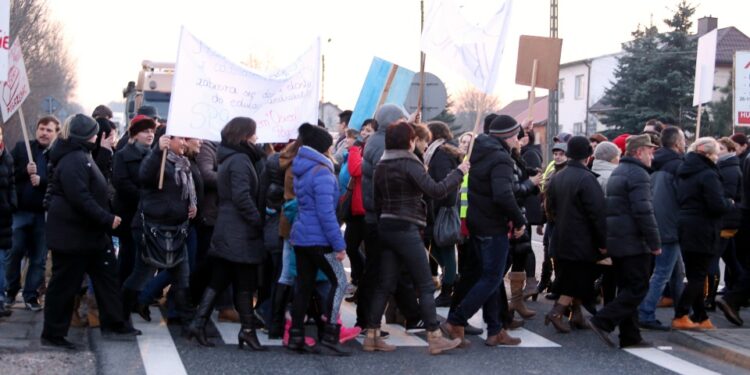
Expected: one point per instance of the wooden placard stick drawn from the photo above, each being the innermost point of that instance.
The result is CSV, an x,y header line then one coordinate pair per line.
x,y
161,171
420,97
532,92
698,123
387,87
25,134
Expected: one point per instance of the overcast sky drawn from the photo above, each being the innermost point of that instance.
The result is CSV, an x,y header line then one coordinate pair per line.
x,y
109,38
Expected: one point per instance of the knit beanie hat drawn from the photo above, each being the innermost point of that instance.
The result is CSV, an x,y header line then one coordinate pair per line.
x,y
315,137
487,122
620,141
389,113
83,127
102,111
139,124
504,126
579,148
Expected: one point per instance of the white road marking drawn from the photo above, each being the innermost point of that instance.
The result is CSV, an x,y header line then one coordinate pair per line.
x,y
669,361
398,335
157,348
528,339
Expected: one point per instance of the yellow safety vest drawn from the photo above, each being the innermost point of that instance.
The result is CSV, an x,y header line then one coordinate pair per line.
x,y
464,197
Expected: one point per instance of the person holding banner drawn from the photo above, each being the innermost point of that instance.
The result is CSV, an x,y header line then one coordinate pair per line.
x,y
7,205
77,232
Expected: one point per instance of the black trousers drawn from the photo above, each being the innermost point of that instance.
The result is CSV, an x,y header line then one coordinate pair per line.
x,y
354,235
696,270
469,271
309,261
67,276
632,274
405,295
126,255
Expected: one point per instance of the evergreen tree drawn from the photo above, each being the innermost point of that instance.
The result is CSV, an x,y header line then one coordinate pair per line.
x,y
721,122
655,76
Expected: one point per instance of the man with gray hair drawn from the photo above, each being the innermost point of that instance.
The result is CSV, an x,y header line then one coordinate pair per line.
x,y
606,158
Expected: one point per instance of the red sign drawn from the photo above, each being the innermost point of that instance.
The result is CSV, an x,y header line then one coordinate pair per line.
x,y
743,117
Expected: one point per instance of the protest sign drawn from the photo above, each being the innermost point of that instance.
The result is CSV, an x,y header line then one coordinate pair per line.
x,y
209,90
705,65
538,64
4,38
741,107
472,48
385,83
16,87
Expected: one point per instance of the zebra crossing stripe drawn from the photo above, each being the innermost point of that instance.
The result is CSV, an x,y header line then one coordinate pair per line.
x,y
669,361
158,351
528,339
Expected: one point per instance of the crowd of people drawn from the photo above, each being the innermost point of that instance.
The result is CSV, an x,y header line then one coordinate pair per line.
x,y
412,206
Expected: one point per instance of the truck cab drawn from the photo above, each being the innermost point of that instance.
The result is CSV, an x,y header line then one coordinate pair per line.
x,y
153,88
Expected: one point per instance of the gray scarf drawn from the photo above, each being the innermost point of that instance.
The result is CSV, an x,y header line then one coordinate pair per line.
x,y
183,177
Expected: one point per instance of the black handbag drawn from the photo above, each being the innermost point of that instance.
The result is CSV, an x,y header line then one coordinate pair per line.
x,y
164,246
344,207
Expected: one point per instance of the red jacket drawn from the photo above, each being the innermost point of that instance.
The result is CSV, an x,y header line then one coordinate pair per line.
x,y
355,171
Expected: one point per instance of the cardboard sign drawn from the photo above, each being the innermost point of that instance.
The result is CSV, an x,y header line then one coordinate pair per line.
x,y
16,88
209,90
385,83
547,53
742,88
4,38
705,65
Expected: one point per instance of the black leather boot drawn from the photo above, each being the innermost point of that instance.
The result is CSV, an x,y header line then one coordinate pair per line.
x,y
247,334
445,297
297,342
330,340
182,305
278,308
131,304
197,327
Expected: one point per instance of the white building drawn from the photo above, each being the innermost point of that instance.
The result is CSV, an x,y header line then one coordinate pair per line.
x,y
583,83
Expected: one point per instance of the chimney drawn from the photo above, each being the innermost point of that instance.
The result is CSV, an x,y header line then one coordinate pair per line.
x,y
707,24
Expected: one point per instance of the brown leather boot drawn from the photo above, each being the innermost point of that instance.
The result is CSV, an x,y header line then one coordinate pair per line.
x,y
517,280
229,315
502,338
532,289
455,332
92,311
77,321
515,324
577,321
374,343
439,344
555,316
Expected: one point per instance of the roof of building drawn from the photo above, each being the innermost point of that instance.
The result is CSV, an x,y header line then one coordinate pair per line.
x,y
519,110
729,40
584,61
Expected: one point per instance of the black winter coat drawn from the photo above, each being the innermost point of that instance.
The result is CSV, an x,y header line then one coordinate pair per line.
x,y
631,225
199,190
209,167
8,201
532,156
444,161
78,217
702,204
401,181
164,206
664,191
575,203
731,175
492,204
125,178
30,198
238,234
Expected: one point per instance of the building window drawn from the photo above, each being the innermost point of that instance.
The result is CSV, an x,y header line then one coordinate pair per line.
x,y
578,128
561,89
579,87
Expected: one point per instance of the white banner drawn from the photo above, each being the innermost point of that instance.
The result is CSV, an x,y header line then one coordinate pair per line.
x,y
473,50
16,88
209,90
742,88
705,65
4,38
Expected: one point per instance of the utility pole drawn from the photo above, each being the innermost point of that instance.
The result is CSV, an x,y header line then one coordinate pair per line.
x,y
552,125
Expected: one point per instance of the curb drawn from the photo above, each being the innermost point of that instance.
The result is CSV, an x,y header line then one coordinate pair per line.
x,y
712,346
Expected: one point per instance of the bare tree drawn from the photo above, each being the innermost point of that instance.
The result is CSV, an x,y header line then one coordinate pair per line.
x,y
48,63
472,104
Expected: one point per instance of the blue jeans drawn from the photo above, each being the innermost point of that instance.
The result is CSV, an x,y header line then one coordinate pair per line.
x,y
493,251
29,241
3,252
287,277
667,267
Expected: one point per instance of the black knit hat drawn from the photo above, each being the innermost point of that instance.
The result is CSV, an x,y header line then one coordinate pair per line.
x,y
579,148
102,111
83,127
487,122
504,126
315,137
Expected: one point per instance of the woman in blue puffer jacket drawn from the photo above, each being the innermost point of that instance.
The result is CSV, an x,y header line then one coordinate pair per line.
x,y
316,235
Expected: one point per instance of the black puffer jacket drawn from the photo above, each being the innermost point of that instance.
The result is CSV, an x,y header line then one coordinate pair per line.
x,y
492,205
664,191
78,217
532,156
631,225
164,206
8,202
731,175
400,182
209,166
575,203
238,234
443,162
30,198
125,178
702,204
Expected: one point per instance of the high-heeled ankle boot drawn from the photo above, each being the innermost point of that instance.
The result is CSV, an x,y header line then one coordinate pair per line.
x,y
247,334
297,342
577,321
555,316
330,340
517,279
197,327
